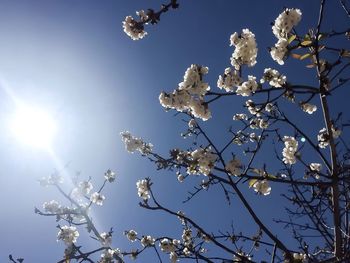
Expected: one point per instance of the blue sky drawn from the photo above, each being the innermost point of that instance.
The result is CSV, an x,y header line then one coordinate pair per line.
x,y
73,59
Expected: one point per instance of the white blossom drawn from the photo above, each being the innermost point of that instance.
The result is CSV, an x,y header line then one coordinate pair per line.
x,y
289,150
253,137
335,132
279,51
189,96
106,239
142,14
262,187
85,187
204,161
142,189
285,22
52,207
97,198
245,52
110,175
133,144
323,138
167,245
234,167
230,80
309,108
240,116
186,251
108,255
180,216
269,107
301,257
68,234
134,29
192,81
273,77
252,108
316,167
131,235
51,180
187,236
257,123
199,109
247,87
147,241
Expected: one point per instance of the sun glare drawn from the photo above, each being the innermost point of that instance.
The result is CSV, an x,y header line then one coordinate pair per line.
x,y
34,127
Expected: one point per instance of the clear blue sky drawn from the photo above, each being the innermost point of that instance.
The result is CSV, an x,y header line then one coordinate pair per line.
x,y
73,59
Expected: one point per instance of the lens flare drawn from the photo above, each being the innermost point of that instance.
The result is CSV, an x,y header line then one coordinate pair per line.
x,y
34,127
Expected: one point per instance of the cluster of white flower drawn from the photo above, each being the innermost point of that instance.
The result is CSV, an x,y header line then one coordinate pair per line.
x,y
315,167
289,150
77,195
110,175
51,180
258,123
106,239
245,49
248,87
241,257
133,144
180,216
253,137
262,187
323,136
189,96
234,167
240,116
167,245
283,25
135,29
239,138
68,234
85,187
229,80
300,257
309,108
187,236
97,198
203,161
274,78
52,207
147,241
285,22
252,108
270,107
109,254
279,51
131,235
143,189
186,251
336,132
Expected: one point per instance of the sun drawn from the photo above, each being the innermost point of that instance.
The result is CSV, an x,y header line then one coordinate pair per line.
x,y
33,126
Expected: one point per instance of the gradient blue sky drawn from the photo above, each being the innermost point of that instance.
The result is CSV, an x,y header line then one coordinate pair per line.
x,y
72,58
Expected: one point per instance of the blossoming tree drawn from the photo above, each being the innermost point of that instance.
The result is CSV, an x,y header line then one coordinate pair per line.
x,y
316,191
